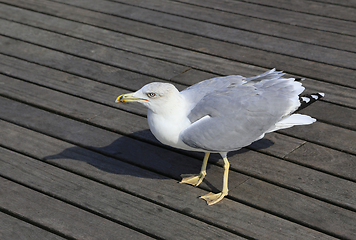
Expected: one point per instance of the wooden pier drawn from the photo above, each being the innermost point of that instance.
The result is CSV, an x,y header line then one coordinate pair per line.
x,y
76,165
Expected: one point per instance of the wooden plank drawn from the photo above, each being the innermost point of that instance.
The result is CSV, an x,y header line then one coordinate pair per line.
x,y
142,187
335,114
296,33
74,107
84,49
300,179
102,200
331,136
336,94
237,14
345,3
304,6
200,44
72,84
59,216
181,196
305,205
292,17
250,192
119,41
245,38
339,163
13,228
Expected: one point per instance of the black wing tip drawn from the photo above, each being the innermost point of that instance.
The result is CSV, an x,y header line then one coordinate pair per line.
x,y
306,100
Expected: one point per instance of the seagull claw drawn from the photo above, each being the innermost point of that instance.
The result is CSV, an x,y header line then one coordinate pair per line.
x,y
212,198
194,180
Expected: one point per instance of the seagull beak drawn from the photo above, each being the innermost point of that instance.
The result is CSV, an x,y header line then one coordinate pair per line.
x,y
124,98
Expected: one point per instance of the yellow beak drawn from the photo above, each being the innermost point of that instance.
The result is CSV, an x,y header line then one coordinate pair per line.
x,y
124,98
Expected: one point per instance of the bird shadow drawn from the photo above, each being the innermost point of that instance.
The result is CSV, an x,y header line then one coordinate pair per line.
x,y
130,155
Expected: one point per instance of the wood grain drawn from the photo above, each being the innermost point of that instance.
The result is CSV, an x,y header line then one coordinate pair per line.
x,y
77,165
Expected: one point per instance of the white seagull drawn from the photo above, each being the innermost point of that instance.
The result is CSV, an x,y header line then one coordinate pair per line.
x,y
222,114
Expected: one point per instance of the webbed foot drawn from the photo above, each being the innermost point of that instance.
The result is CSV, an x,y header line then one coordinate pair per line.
x,y
212,198
192,179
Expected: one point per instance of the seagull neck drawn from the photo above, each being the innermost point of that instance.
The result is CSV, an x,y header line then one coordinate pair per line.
x,y
167,123
173,109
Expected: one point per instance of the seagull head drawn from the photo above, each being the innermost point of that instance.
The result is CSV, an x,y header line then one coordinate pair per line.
x,y
156,96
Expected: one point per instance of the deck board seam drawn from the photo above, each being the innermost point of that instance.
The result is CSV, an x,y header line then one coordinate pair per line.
x,y
59,198
78,56
196,19
271,212
163,59
276,214
160,59
228,41
303,185
326,2
313,14
119,189
34,223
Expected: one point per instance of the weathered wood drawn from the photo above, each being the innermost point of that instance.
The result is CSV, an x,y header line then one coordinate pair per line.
x,y
325,134
338,94
177,163
317,8
335,114
104,200
59,216
334,93
346,3
64,142
82,67
73,107
200,44
326,159
13,228
119,58
244,38
295,177
296,33
119,175
277,18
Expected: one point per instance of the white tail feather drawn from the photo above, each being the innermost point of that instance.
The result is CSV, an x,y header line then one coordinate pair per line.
x,y
292,120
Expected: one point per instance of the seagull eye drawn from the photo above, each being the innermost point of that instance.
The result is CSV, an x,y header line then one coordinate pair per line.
x,y
151,95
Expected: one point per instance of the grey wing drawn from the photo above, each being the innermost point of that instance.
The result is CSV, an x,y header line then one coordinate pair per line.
x,y
229,119
196,92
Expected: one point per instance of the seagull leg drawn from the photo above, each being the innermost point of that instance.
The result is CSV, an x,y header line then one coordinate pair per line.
x,y
212,198
195,180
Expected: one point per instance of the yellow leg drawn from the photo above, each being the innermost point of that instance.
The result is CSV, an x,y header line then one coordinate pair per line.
x,y
195,180
212,198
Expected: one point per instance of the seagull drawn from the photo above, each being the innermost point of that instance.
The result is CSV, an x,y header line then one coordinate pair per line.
x,y
222,114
